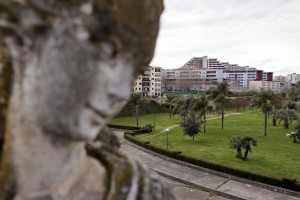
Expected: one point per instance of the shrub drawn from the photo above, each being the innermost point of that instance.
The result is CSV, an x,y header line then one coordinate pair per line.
x,y
148,128
146,106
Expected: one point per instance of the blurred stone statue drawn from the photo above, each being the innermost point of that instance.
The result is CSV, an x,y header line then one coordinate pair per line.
x,y
72,64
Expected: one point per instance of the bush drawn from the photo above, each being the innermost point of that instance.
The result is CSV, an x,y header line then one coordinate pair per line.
x,y
146,106
148,128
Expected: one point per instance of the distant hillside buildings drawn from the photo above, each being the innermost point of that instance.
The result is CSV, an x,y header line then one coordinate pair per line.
x,y
199,73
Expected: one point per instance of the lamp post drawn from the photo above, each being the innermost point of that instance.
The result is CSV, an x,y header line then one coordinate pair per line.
x,y
167,138
154,121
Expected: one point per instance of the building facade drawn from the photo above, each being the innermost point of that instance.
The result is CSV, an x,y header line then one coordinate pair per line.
x,y
293,78
200,72
186,79
238,80
148,83
265,85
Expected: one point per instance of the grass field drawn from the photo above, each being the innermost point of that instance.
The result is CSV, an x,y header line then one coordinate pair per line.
x,y
276,155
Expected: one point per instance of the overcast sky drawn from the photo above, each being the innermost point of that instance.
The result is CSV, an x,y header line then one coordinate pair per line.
x,y
259,33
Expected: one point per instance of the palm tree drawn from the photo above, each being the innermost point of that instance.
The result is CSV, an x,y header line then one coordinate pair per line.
x,y
170,99
183,106
266,100
201,105
293,93
218,94
286,115
235,143
239,143
295,134
135,98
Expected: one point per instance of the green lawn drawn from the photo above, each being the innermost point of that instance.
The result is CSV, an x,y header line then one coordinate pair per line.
x,y
275,154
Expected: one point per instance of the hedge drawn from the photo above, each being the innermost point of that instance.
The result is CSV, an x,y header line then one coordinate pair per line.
x,y
123,127
133,130
146,106
285,183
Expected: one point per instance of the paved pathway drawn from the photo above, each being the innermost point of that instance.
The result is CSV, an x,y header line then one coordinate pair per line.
x,y
194,177
184,192
177,125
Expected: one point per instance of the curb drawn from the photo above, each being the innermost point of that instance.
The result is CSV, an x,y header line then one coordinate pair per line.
x,y
219,193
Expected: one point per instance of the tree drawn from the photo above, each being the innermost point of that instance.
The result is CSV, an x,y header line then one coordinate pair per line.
x,y
286,115
292,93
191,126
135,98
201,105
295,134
218,94
265,100
170,99
291,105
183,106
239,143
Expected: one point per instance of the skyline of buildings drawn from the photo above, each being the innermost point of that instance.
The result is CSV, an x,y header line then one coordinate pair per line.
x,y
199,73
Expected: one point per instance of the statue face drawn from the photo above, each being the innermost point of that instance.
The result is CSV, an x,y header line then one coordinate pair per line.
x,y
77,60
77,89
108,95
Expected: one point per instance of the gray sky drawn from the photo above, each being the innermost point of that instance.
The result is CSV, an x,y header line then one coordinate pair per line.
x,y
260,33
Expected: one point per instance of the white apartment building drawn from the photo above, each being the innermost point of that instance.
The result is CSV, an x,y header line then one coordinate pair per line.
x,y
197,62
239,79
280,78
293,78
265,85
148,83
190,78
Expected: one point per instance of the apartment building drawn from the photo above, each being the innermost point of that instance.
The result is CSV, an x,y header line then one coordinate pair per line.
x,y
239,79
205,62
190,78
148,83
214,63
197,62
265,85
199,73
293,78
280,78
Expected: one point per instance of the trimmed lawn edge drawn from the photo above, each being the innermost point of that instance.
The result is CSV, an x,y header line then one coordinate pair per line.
x,y
284,183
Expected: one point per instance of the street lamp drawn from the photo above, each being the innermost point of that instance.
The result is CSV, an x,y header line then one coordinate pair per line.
x,y
167,138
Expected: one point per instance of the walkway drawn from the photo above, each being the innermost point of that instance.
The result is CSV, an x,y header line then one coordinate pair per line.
x,y
198,177
177,125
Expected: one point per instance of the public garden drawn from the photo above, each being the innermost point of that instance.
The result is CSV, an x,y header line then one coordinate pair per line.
x,y
275,154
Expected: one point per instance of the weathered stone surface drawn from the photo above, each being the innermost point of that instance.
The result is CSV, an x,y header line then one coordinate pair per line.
x,y
73,63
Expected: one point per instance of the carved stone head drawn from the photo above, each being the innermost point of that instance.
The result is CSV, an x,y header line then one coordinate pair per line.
x,y
77,59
